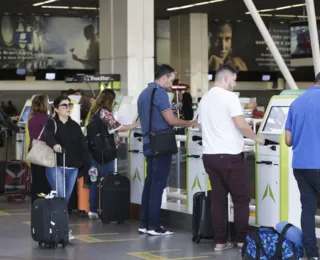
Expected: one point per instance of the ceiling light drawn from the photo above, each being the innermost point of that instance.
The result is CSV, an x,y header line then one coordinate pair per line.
x,y
84,8
285,15
45,2
279,8
55,7
193,5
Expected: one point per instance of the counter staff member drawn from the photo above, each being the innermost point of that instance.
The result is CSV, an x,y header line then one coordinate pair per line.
x,y
158,168
223,127
302,133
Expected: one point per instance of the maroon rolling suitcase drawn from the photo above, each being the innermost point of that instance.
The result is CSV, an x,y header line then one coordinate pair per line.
x,y
16,180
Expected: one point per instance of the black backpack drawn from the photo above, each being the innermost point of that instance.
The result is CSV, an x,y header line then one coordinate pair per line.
x,y
101,143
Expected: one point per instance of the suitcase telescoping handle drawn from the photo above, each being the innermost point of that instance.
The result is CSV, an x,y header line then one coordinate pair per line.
x,y
64,173
206,184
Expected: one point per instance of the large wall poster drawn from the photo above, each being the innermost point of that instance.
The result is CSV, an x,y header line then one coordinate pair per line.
x,y
241,44
49,42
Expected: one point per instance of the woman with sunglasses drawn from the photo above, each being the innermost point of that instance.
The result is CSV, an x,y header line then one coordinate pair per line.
x,y
64,133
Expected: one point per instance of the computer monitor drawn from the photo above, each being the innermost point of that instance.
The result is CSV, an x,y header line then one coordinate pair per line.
x,y
25,114
276,120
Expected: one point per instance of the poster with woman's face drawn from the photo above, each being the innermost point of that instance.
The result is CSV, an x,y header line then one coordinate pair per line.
x,y
220,47
240,44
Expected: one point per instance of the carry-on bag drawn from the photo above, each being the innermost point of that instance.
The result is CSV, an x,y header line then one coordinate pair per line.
x,y
202,218
266,243
114,198
83,198
16,181
49,217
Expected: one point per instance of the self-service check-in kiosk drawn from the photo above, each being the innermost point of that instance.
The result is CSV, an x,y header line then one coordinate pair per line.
x,y
20,137
197,178
277,193
137,164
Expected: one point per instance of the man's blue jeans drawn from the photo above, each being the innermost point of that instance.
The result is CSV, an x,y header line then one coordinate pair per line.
x,y
158,169
70,179
103,170
309,186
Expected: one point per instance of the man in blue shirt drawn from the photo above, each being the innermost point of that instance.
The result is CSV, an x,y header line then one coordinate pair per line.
x,y
303,134
158,168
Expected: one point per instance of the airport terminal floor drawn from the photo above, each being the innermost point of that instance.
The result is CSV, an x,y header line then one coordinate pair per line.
x,y
98,241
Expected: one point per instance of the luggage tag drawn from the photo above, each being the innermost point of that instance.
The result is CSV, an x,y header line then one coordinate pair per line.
x,y
51,195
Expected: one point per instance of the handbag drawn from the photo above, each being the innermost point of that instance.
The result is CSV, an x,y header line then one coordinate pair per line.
x,y
42,154
162,142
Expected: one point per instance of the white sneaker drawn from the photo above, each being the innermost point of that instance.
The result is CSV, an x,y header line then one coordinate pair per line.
x,y
71,237
93,215
160,232
143,230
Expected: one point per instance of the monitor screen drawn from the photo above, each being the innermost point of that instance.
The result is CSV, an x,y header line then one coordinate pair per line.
x,y
266,77
276,119
25,114
50,76
300,40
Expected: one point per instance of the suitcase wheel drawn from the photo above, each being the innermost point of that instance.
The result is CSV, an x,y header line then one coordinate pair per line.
x,y
82,214
194,239
198,240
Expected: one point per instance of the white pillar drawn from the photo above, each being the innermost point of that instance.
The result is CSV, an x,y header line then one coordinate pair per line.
x,y
127,42
189,51
313,35
270,43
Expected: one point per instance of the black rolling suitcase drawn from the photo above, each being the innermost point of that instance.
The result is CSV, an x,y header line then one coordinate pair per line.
x,y
202,218
49,219
114,199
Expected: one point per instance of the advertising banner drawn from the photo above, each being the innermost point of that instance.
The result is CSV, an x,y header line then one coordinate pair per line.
x,y
241,44
49,42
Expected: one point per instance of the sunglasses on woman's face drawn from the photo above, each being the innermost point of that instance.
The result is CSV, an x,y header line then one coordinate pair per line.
x,y
66,106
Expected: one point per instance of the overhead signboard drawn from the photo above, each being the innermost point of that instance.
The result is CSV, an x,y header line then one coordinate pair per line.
x,y
92,78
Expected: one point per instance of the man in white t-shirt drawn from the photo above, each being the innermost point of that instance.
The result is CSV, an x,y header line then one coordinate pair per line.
x,y
223,127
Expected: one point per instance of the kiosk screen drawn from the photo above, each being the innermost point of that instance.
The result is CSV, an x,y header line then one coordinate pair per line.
x,y
276,119
25,114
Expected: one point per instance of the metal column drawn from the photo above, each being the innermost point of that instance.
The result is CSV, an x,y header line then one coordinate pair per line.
x,y
313,35
270,43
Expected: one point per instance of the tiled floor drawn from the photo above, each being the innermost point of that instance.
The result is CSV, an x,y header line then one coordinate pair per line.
x,y
95,241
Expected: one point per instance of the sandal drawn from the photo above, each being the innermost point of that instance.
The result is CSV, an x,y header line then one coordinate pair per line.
x,y
225,247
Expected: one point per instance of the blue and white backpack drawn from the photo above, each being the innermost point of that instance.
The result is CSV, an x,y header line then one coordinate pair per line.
x,y
267,244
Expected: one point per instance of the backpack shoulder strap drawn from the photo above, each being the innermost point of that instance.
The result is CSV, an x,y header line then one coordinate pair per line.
x,y
259,245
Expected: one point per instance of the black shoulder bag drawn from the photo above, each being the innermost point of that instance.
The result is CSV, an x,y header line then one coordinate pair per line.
x,y
162,142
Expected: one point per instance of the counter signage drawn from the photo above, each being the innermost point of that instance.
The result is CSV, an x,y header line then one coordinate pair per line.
x,y
92,78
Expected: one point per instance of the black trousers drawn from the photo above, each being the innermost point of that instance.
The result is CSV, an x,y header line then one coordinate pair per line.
x,y
40,182
228,174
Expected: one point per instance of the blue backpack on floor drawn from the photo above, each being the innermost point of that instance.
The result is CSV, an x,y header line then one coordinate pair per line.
x,y
267,244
